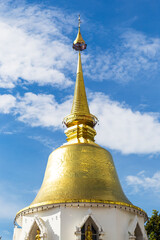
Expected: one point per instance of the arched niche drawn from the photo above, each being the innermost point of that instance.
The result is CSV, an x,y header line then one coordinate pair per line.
x,y
37,224
96,229
33,231
93,228
138,233
136,230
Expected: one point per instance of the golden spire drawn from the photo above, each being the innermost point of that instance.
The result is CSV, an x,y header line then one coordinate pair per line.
x,y
80,104
80,122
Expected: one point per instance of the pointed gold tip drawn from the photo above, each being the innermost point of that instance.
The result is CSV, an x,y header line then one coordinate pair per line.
x,y
79,38
80,104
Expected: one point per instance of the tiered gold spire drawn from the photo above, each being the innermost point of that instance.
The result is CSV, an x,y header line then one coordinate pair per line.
x,y
80,122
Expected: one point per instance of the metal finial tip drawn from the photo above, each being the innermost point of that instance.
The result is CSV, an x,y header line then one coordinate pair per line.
x,y
79,21
79,44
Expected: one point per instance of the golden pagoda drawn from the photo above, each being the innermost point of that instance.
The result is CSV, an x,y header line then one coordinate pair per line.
x,y
80,171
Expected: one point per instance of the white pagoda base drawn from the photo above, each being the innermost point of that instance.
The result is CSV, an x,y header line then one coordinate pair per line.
x,y
66,221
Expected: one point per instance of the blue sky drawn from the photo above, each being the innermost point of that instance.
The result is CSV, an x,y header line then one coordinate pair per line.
x,y
37,75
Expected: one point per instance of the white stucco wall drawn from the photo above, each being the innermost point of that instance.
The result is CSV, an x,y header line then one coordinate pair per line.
x,y
60,223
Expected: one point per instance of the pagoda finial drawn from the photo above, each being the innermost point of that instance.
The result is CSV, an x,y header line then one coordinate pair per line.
x,y
79,44
80,116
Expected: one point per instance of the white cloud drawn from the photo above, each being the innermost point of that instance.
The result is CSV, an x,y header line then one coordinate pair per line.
x,y
33,42
119,127
46,141
7,102
141,181
122,129
41,110
133,55
138,42
35,47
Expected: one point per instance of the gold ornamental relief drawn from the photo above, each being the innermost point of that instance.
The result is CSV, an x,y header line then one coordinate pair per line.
x,y
88,233
38,235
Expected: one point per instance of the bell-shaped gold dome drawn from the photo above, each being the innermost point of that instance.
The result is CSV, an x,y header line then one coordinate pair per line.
x,y
80,172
